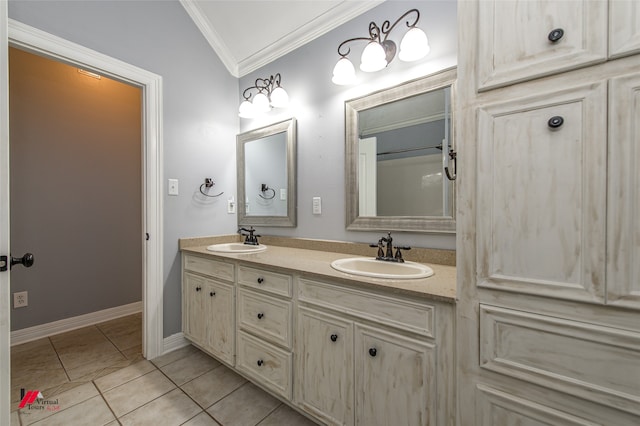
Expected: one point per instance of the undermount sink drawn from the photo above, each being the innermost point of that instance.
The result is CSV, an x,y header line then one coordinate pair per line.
x,y
236,248
373,268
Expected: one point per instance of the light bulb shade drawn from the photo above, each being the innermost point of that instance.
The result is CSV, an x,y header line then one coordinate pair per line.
x,y
279,98
261,103
414,45
246,110
373,57
344,72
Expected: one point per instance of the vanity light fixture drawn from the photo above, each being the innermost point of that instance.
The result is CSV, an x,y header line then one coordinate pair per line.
x,y
266,93
380,51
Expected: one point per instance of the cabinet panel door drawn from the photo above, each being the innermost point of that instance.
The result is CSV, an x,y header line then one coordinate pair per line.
x,y
623,260
395,379
325,366
219,316
624,27
541,194
193,323
514,38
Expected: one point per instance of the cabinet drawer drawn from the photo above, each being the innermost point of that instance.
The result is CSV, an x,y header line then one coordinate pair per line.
x,y
266,364
214,268
412,316
271,282
265,316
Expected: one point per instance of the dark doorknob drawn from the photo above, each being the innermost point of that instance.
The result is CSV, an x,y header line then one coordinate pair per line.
x,y
26,260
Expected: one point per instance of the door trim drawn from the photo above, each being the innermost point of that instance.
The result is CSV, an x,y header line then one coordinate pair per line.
x,y
39,42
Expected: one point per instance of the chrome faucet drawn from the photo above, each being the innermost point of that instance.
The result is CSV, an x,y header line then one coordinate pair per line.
x,y
387,242
250,238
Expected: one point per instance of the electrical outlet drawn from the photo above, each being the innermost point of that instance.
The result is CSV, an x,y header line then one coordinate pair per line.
x,y
20,299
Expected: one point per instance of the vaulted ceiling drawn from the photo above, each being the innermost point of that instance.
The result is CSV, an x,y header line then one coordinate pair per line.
x,y
247,35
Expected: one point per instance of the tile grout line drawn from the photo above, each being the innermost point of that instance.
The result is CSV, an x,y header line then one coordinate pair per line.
x,y
66,373
270,413
105,401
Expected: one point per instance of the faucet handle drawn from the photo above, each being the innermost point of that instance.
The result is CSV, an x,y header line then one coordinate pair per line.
x,y
398,256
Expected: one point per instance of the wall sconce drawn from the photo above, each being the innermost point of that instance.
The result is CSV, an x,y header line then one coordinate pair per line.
x,y
380,51
268,94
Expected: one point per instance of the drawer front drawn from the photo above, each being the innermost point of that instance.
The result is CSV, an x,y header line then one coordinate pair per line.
x,y
271,282
415,317
268,365
265,316
213,268
600,364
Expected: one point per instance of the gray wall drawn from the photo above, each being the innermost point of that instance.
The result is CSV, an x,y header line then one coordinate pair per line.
x,y
318,105
76,179
200,107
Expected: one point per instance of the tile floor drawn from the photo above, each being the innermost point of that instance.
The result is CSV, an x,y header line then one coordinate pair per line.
x,y
97,376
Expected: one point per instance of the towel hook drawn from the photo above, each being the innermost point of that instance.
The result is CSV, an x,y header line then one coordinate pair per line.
x,y
264,188
452,156
208,183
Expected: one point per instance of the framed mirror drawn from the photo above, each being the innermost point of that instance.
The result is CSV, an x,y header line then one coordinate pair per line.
x,y
397,148
267,175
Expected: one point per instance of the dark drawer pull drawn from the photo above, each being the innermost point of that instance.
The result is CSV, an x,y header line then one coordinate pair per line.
x,y
260,362
334,337
213,293
555,122
260,315
556,35
198,288
373,352
260,280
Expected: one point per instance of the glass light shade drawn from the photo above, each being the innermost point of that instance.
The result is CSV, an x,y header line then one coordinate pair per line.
x,y
414,45
279,98
344,72
373,57
261,103
246,110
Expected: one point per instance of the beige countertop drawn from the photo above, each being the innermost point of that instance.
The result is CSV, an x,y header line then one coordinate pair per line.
x,y
317,264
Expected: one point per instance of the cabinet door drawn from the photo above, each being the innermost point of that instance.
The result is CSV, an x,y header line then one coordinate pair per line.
x,y
219,314
514,38
541,194
623,260
324,384
193,324
624,27
395,379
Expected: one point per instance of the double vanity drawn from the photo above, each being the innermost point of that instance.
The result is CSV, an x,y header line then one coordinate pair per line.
x,y
372,345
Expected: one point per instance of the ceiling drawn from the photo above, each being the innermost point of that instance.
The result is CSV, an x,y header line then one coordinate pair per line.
x,y
249,34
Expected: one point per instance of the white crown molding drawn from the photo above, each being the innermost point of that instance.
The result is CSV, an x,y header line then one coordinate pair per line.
x,y
211,35
306,33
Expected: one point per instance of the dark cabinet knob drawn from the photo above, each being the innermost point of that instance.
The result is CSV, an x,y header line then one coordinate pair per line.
x,y
556,35
198,288
373,351
334,337
260,362
213,293
260,315
260,280
26,261
555,122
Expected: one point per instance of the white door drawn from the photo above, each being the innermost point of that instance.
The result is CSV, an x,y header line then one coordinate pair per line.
x,y
367,180
5,377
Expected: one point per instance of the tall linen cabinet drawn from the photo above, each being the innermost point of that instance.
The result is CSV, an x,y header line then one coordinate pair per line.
x,y
548,238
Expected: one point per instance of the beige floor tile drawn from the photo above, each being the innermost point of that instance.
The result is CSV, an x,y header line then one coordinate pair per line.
x,y
173,408
65,400
72,340
211,387
246,406
36,355
36,379
15,419
92,412
125,332
202,419
189,367
172,356
137,392
94,362
286,416
134,353
124,375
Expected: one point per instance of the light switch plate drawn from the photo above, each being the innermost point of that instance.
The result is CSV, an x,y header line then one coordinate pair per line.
x,y
283,194
317,205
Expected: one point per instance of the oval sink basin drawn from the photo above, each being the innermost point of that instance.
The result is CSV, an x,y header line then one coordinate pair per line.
x,y
236,248
380,269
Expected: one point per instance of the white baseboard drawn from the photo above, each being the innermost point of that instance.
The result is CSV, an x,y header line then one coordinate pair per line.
x,y
45,330
173,342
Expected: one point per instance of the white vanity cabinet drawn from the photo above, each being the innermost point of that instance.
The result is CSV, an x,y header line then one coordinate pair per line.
x,y
208,308
265,328
369,359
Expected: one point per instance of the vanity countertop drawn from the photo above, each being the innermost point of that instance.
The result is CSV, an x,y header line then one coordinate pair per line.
x,y
440,286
